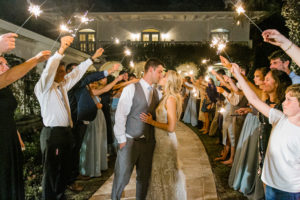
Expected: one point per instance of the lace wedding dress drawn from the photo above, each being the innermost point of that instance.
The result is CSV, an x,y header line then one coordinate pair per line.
x,y
167,180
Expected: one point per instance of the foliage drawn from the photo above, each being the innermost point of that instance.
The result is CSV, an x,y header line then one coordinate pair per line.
x,y
291,12
32,168
175,54
23,90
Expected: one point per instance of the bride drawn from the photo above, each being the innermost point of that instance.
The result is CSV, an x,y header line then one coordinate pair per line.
x,y
167,180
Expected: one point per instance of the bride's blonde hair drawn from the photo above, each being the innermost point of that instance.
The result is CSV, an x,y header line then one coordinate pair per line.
x,y
173,88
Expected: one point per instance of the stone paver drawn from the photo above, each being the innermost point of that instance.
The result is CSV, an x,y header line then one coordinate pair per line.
x,y
200,183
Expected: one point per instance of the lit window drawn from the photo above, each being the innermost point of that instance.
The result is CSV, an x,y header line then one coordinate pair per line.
x,y
91,37
82,37
220,33
87,40
146,37
152,35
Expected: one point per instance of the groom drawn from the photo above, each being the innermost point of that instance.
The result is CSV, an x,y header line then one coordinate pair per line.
x,y
136,138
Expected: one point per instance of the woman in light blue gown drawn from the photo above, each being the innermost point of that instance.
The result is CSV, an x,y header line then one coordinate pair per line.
x,y
244,168
190,114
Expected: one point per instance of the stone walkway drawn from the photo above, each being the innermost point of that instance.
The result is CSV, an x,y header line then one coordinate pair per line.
x,y
200,182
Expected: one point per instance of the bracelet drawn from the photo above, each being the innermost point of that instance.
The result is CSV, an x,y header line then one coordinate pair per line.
x,y
289,46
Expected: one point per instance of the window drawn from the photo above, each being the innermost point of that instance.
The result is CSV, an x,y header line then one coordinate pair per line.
x,y
150,35
87,40
220,33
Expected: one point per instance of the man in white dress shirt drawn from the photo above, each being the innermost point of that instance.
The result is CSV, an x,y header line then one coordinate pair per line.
x,y
136,138
56,137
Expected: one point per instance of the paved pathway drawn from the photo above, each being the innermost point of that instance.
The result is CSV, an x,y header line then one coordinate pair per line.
x,y
200,182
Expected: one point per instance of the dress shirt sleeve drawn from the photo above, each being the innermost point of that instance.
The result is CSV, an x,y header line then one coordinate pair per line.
x,y
73,77
123,109
47,77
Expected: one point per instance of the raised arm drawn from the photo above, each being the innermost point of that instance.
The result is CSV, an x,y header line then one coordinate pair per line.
x,y
249,93
171,115
124,84
220,78
274,37
108,87
73,77
47,77
17,72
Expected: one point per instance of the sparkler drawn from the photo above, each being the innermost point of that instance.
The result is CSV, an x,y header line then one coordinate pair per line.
x,y
83,20
222,110
241,10
63,29
220,45
34,10
127,52
191,72
131,64
204,61
206,78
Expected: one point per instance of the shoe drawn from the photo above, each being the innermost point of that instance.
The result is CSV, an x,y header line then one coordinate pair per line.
x,y
83,178
75,187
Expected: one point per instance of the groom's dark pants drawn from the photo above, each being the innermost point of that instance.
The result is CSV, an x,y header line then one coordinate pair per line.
x,y
137,152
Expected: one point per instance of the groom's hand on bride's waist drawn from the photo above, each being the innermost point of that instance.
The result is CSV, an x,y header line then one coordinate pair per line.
x,y
122,145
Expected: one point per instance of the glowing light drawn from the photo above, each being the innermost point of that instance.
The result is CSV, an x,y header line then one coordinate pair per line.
x,y
35,10
204,61
206,78
240,10
65,28
221,46
131,64
238,22
165,36
135,36
179,71
222,110
191,72
210,68
127,52
195,95
214,42
117,41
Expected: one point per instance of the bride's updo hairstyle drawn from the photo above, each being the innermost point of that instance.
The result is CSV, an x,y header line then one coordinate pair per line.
x,y
172,88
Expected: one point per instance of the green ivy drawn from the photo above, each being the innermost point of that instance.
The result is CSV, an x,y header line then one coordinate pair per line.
x,y
291,12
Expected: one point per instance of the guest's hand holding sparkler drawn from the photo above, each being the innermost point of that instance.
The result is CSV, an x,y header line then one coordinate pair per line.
x,y
225,62
274,37
7,42
65,42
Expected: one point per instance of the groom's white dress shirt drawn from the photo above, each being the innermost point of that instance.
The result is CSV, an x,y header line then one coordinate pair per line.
x,y
51,94
124,107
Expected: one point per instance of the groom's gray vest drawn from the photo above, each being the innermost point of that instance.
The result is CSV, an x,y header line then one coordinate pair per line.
x,y
134,126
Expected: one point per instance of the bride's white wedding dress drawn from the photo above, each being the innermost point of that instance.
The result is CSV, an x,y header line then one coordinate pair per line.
x,y
167,180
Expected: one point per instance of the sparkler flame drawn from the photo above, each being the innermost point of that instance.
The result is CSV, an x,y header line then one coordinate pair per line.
x,y
206,78
127,52
222,110
35,10
240,10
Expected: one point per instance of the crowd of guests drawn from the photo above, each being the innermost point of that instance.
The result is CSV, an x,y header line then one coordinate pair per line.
x,y
256,123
